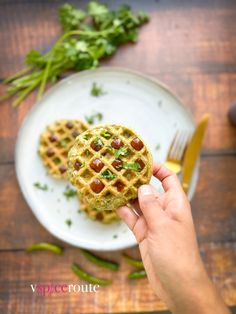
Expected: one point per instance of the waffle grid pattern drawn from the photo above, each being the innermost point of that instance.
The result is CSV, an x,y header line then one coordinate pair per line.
x,y
105,217
55,143
82,152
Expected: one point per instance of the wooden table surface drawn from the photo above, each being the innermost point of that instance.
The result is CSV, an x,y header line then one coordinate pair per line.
x,y
188,45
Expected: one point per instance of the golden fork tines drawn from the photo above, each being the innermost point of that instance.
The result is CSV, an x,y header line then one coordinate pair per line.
x,y
177,149
108,164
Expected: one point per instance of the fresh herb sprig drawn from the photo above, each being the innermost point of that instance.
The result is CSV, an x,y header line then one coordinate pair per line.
x,y
87,37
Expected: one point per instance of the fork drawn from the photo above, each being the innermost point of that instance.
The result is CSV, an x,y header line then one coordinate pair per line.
x,y
177,149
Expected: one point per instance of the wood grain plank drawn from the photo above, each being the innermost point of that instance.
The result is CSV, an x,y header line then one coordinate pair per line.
x,y
203,40
214,203
19,270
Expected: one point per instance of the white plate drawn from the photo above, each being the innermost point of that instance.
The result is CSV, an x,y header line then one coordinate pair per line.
x,y
131,99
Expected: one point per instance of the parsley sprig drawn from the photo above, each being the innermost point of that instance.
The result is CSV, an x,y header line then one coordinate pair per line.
x,y
87,37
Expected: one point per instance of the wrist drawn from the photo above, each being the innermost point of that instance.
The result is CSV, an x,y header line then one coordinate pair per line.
x,y
198,297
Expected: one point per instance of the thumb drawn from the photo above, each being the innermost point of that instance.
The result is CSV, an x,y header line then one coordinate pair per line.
x,y
149,205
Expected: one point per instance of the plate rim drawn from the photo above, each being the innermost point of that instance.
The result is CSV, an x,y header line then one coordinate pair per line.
x,y
35,106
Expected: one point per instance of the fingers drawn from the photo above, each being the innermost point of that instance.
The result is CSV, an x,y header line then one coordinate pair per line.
x,y
168,178
149,204
135,223
135,206
128,215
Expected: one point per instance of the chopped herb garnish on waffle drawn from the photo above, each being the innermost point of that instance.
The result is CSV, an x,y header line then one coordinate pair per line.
x,y
132,166
98,141
107,174
123,151
105,134
64,142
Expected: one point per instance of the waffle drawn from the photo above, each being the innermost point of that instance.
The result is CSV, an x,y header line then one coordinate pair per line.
x,y
107,164
105,217
55,143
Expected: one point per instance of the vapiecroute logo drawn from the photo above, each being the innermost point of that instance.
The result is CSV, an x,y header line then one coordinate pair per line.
x,y
49,289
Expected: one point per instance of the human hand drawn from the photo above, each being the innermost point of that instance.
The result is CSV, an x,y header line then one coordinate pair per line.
x,y
165,233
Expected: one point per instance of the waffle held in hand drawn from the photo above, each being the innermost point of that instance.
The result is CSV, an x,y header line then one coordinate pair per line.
x,y
108,164
105,217
55,143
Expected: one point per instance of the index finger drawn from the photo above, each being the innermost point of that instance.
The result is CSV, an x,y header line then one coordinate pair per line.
x,y
168,178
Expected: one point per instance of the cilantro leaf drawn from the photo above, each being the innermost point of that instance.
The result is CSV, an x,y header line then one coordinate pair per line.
x,y
64,142
70,18
123,151
95,8
105,134
40,186
87,37
132,166
96,90
69,193
98,142
108,174
68,222
96,116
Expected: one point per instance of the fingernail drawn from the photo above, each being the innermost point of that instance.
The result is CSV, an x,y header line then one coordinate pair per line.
x,y
145,190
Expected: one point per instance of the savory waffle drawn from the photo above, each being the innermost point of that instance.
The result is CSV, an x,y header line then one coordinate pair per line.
x,y
105,217
55,143
108,164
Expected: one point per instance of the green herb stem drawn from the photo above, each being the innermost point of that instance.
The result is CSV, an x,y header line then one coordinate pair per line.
x,y
23,94
44,79
76,49
16,75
